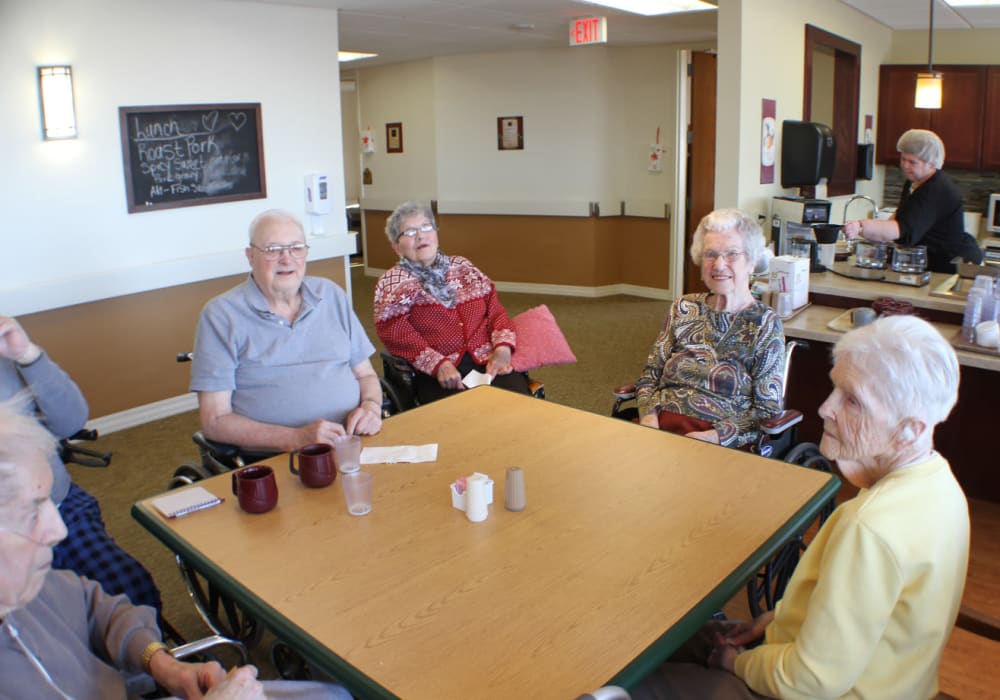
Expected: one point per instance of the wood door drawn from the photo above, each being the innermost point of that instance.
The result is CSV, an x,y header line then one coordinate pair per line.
x,y
991,128
701,158
959,122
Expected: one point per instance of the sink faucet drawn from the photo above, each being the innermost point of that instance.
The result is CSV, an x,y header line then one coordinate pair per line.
x,y
865,197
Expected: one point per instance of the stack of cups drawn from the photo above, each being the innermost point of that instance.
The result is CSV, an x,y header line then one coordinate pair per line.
x,y
973,314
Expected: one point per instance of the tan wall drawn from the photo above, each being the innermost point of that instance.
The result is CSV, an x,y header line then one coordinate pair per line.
x,y
573,251
121,351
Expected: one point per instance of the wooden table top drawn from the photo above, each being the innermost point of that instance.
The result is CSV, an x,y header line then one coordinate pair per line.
x,y
630,539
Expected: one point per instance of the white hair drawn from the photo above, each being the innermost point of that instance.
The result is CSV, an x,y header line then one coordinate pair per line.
x,y
723,220
910,367
273,215
21,438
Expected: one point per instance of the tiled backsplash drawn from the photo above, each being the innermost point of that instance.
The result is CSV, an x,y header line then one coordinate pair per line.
x,y
976,188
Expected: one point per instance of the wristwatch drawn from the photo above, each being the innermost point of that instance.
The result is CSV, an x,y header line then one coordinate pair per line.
x,y
147,653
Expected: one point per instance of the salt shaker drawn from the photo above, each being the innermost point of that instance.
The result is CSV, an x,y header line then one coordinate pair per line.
x,y
514,498
476,508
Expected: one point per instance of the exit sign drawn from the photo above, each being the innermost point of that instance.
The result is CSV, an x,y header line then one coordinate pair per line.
x,y
589,30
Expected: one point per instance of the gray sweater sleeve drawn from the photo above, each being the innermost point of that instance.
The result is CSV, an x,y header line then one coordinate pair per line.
x,y
58,400
119,631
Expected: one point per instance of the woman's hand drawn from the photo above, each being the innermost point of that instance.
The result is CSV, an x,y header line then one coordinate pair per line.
x,y
185,680
746,632
853,229
705,435
448,376
499,362
723,655
240,684
650,420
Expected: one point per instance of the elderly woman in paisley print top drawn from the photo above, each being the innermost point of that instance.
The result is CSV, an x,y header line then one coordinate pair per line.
x,y
715,372
440,312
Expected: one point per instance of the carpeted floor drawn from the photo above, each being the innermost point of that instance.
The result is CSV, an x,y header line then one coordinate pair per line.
x,y
610,337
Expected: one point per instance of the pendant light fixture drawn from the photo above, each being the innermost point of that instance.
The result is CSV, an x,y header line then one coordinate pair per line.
x,y
928,92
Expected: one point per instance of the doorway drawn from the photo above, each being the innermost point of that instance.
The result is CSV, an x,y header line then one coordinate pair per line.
x,y
700,198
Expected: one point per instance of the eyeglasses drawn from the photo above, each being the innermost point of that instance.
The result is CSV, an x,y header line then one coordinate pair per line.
x,y
422,228
730,256
273,252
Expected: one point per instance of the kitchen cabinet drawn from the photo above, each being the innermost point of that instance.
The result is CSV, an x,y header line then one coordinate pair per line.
x,y
991,130
960,122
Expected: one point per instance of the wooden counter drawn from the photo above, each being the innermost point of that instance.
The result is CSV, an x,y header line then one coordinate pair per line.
x,y
832,284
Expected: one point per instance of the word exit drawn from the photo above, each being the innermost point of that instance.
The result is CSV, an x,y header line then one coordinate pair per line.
x,y
589,30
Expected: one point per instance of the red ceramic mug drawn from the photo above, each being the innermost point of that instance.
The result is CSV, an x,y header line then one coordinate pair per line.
x,y
316,466
255,488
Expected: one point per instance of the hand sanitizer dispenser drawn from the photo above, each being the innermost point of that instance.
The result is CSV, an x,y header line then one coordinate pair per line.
x,y
317,201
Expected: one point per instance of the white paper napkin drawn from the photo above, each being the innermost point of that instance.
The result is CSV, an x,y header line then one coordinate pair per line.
x,y
476,378
399,453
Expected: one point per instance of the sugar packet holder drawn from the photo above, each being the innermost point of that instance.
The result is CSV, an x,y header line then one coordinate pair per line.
x,y
458,491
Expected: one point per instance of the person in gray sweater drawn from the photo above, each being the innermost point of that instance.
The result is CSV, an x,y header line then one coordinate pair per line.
x,y
61,635
55,400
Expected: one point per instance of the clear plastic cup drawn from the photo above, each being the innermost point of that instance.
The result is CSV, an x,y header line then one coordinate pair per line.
x,y
358,492
347,450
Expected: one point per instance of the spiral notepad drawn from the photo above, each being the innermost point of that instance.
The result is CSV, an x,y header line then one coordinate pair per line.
x,y
180,503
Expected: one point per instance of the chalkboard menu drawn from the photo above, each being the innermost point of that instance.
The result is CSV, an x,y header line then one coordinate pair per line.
x,y
186,155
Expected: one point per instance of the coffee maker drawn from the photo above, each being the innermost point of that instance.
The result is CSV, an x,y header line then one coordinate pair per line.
x,y
793,217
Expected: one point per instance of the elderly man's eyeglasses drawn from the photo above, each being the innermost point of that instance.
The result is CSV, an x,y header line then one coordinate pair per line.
x,y
730,256
422,228
273,252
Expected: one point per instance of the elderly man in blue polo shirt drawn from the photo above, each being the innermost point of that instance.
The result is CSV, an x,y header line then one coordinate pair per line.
x,y
281,361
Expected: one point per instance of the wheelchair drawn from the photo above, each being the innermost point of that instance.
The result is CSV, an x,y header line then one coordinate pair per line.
x,y
398,385
778,440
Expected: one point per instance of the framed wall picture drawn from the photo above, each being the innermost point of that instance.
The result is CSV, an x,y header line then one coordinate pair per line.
x,y
394,137
510,133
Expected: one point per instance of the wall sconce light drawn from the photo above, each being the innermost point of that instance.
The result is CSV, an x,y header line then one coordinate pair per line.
x,y
929,84
55,89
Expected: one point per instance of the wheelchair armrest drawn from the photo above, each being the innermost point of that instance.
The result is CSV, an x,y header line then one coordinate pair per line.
x,y
625,391
781,422
220,450
215,641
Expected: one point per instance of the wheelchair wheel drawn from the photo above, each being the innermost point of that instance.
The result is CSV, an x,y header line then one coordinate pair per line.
x,y
188,473
223,616
768,585
288,663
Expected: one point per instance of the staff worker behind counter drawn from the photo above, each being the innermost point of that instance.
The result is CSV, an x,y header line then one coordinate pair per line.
x,y
281,361
930,208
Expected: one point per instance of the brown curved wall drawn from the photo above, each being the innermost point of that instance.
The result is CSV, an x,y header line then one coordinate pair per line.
x,y
574,251
121,351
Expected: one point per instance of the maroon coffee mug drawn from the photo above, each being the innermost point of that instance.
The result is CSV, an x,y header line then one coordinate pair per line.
x,y
316,467
255,488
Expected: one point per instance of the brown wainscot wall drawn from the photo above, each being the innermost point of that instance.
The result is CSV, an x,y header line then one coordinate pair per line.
x,y
556,250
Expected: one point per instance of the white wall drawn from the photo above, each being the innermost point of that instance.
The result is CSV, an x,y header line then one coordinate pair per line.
x,y
69,238
761,53
590,115
400,93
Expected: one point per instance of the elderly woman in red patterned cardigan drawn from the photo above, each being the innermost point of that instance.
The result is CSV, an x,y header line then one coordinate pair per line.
x,y
440,312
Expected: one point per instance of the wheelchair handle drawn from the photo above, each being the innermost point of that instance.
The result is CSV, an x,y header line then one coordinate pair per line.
x,y
185,356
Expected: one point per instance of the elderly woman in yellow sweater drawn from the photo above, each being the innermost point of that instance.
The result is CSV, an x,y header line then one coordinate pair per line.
x,y
871,604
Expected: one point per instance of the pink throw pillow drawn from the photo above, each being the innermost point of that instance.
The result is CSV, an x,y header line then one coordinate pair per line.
x,y
539,341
